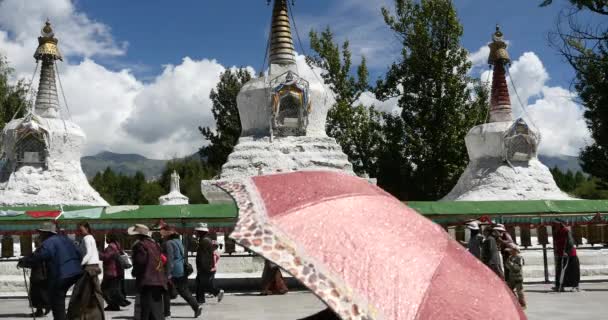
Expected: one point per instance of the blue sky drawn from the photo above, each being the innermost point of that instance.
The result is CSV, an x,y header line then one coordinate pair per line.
x,y
137,74
234,32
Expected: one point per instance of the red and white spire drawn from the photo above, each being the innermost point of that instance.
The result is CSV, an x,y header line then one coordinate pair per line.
x,y
500,103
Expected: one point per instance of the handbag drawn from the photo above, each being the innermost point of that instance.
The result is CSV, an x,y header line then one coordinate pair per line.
x,y
188,269
123,261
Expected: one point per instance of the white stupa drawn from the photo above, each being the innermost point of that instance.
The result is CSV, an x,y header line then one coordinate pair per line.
x,y
174,197
41,151
282,118
503,153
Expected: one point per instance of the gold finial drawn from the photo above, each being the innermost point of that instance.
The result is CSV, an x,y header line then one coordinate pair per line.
x,y
498,48
281,42
47,44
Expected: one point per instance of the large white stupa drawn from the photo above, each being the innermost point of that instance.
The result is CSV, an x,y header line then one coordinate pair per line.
x,y
41,151
503,152
282,118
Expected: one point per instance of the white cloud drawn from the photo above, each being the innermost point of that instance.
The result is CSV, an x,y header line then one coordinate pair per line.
x,y
117,111
552,109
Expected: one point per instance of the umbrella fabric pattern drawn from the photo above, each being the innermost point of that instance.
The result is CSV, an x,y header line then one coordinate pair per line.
x,y
362,252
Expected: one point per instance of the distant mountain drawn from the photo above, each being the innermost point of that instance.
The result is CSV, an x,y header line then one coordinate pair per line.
x,y
127,164
564,163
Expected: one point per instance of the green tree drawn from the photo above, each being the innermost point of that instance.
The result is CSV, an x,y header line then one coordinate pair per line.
x,y
150,193
227,122
585,47
12,97
191,172
355,127
432,83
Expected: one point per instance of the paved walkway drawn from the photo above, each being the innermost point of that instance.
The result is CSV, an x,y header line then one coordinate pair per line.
x,y
590,303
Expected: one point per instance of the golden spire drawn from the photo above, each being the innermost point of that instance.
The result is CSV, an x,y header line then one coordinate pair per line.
x,y
47,44
281,43
498,49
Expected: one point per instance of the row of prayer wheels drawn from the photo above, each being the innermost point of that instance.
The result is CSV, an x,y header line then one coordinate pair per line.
x,y
126,242
595,234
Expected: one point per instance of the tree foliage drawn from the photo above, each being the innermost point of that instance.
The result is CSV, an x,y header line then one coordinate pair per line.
x,y
355,127
227,130
578,185
585,47
432,83
12,96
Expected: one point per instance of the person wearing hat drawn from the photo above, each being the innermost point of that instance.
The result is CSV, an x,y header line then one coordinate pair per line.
x,y
205,265
149,273
515,263
62,259
178,278
567,265
475,239
489,251
503,241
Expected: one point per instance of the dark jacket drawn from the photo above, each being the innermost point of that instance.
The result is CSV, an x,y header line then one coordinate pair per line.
x,y
148,268
204,256
111,267
62,258
490,257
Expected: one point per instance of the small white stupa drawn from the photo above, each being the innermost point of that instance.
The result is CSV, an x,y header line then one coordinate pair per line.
x,y
503,153
282,118
174,197
42,151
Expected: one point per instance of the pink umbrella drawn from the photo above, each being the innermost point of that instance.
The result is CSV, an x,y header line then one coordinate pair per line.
x,y
362,252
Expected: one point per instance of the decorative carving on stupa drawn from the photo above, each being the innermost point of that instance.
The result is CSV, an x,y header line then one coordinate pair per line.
x,y
283,115
174,197
503,162
41,152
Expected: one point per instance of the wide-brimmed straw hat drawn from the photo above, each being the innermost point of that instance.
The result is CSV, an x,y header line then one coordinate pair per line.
x,y
202,227
48,227
472,225
139,229
499,227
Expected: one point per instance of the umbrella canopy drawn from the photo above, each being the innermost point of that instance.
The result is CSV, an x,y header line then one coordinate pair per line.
x,y
362,252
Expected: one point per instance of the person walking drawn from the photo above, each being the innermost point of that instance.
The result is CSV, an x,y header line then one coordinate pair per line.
x,y
475,239
38,293
204,265
176,271
504,240
515,263
113,275
86,301
149,273
490,255
567,265
62,259
272,280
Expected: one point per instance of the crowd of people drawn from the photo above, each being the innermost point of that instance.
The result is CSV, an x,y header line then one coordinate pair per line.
x,y
495,247
161,271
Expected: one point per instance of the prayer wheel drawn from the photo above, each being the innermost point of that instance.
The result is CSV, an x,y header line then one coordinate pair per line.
x,y
25,242
229,244
511,232
595,234
7,247
603,234
100,240
526,238
460,236
543,237
577,233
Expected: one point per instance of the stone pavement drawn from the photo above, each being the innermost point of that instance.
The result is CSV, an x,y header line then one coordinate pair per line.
x,y
543,304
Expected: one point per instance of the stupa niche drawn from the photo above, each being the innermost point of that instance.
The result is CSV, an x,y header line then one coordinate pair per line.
x,y
282,118
174,197
503,162
42,151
